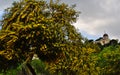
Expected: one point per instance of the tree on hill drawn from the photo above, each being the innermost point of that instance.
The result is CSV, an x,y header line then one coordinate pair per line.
x,y
36,27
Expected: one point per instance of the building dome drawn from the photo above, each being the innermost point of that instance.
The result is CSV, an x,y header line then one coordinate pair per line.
x,y
105,35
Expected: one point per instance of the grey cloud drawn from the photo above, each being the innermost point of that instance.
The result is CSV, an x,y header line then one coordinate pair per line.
x,y
112,29
98,16
105,11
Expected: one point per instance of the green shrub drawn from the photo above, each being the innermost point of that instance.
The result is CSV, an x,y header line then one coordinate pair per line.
x,y
109,60
39,67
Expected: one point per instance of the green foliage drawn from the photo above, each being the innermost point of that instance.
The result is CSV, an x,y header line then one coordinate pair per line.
x,y
35,27
78,60
109,60
39,67
12,71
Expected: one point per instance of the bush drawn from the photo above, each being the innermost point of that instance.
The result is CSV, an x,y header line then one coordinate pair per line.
x,y
109,60
39,67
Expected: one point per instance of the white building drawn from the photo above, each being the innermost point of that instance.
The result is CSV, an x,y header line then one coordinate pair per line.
x,y
104,40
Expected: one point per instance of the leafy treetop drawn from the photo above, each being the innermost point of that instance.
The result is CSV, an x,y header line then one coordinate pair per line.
x,y
36,27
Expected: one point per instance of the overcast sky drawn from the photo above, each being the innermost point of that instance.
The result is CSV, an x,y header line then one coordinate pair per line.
x,y
97,17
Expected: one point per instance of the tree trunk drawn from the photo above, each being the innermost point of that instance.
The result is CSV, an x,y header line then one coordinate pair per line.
x,y
31,69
